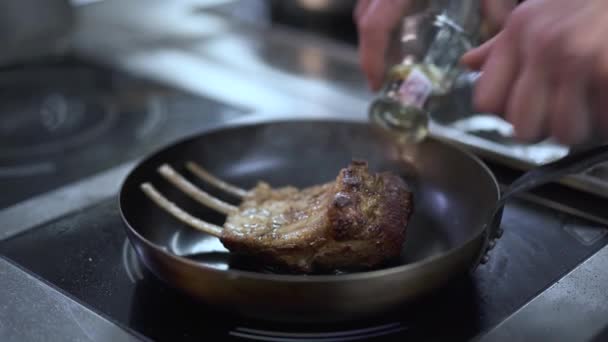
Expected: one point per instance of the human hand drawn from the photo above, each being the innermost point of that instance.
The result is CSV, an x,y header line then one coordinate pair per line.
x,y
376,20
545,71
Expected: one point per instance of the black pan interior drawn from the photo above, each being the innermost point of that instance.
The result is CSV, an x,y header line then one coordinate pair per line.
x,y
453,192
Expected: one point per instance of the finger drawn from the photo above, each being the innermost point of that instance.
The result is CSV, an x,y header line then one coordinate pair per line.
x,y
498,74
502,67
496,12
570,112
594,36
599,112
475,58
598,95
360,9
570,118
527,107
600,119
375,28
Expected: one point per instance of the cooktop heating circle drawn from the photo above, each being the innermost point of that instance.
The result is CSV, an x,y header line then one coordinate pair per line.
x,y
49,123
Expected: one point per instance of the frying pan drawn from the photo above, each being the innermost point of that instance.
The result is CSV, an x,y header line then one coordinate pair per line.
x,y
457,210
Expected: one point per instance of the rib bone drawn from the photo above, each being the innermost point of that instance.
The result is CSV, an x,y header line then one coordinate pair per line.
x,y
179,213
194,192
206,176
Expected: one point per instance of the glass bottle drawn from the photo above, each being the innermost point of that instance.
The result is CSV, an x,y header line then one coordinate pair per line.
x,y
430,44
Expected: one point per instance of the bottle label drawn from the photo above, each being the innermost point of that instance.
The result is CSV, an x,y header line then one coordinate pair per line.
x,y
415,89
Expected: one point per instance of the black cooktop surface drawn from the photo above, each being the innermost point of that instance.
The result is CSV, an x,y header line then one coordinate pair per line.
x,y
87,255
62,122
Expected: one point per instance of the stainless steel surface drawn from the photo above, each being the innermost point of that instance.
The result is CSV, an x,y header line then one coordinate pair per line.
x,y
275,71
445,235
519,156
547,173
54,204
573,309
225,56
573,163
31,29
31,310
85,192
571,206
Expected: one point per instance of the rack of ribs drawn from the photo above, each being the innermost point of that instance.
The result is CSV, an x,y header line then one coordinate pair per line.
x,y
356,222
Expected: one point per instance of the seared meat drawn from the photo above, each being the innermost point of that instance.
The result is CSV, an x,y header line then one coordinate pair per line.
x,y
359,220
356,222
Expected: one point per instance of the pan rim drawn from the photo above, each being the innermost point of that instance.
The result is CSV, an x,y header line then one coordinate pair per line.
x,y
299,278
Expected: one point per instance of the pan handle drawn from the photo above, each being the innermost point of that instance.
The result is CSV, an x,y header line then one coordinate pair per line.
x,y
573,163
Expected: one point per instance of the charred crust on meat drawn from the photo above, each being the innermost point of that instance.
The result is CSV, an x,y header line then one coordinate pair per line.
x,y
351,179
353,174
377,211
342,200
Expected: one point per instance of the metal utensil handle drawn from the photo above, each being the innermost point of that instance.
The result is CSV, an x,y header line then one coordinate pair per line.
x,y
571,164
